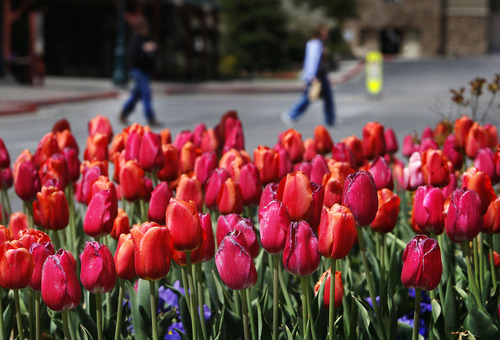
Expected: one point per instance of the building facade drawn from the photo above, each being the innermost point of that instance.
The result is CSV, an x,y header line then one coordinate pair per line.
x,y
415,28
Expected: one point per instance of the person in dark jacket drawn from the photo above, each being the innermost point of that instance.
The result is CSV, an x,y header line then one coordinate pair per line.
x,y
141,57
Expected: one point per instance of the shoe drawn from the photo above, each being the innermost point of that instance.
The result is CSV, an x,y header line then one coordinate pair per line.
x,y
123,119
285,118
154,123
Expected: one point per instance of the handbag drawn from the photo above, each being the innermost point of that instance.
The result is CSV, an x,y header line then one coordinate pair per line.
x,y
314,89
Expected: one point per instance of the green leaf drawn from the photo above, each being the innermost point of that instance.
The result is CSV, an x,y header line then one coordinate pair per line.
x,y
436,309
78,317
141,312
481,324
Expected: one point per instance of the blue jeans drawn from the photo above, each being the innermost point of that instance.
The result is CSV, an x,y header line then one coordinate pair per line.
x,y
328,105
141,90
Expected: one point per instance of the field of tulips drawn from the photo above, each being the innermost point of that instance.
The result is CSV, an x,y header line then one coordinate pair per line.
x,y
190,236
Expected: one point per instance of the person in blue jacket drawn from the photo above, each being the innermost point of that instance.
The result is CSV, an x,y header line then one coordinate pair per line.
x,y
141,57
316,65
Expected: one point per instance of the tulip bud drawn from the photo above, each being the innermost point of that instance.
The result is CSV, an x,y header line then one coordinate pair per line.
x,y
204,165
4,156
342,153
356,146
26,180
296,194
479,182
121,224
462,127
152,251
291,140
40,252
60,286
183,222
132,181
4,234
422,267
428,209
463,219
46,148
323,142
285,163
97,274
301,256
73,164
339,288
382,173
235,139
189,189
250,184
100,124
214,183
232,222
309,150
391,141
267,162
435,169
101,214
29,236
336,232
187,157
160,197
151,157
413,172
53,209
485,162
97,148
452,152
373,140
18,221
171,168
274,222
360,196
229,198
476,139
234,262
387,213
16,265
65,139
319,169
124,257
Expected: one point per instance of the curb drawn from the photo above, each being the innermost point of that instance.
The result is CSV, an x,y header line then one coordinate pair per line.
x,y
17,107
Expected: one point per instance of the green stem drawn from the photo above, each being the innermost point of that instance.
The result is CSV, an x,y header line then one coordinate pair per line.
x,y
383,253
28,206
476,260
276,262
416,317
201,302
195,319
121,293
72,224
98,302
67,335
2,327
185,285
38,305
481,264
55,240
492,263
331,320
152,299
6,203
470,272
371,290
250,313
305,311
18,315
32,314
144,212
245,313
284,288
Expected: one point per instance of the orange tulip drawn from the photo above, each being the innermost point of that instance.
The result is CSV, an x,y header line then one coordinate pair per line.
x,y
291,140
53,209
295,192
267,161
435,170
373,140
124,257
183,222
323,142
387,213
16,265
229,198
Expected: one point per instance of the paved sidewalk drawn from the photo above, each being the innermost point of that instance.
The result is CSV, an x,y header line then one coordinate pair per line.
x,y
16,98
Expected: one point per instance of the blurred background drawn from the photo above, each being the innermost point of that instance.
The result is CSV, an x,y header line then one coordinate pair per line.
x,y
227,39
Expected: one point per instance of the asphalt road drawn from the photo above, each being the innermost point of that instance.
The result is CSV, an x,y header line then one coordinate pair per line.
x,y
413,93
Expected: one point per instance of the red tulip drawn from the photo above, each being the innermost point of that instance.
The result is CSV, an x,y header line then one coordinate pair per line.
x,y
18,221
60,286
336,232
391,141
285,163
339,288
39,252
151,157
274,222
26,180
204,165
234,262
387,213
342,153
152,251
428,209
101,214
207,248
29,236
373,140
53,209
160,197
7,180
452,152
232,222
132,181
124,258
121,224
435,169
100,124
485,162
183,222
46,148
97,148
232,161
5,234
97,273
301,256
171,168
209,141
480,183
65,139
360,196
448,190
250,184
304,167
229,198
319,169
187,157
73,164
422,267
189,189
214,183
382,173
296,194
16,265
463,219
491,220
476,139
4,156
323,142
462,127
291,140
309,150
133,144
356,146
235,139
269,194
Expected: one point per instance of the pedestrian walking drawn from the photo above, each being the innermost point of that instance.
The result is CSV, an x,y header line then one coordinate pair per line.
x,y
315,75
141,57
